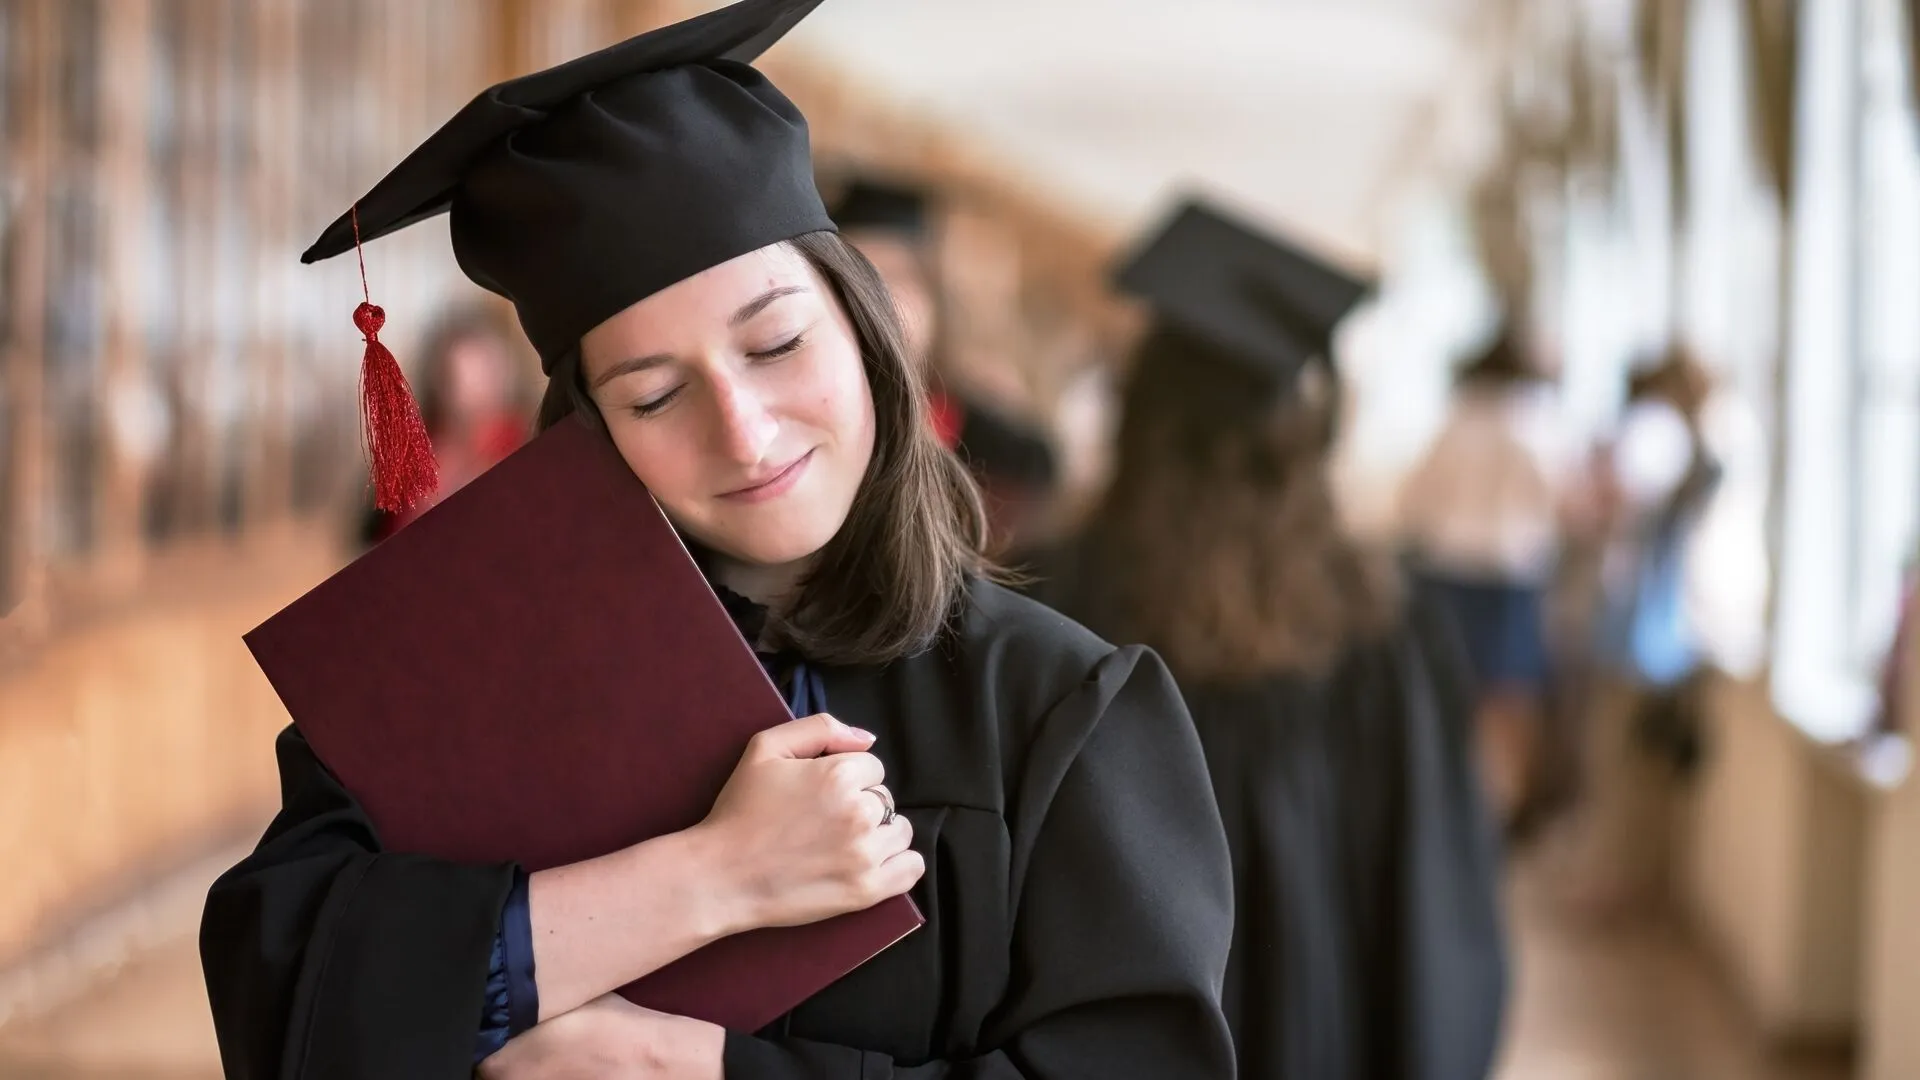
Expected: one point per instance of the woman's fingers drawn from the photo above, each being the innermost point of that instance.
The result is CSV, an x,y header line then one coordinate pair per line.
x,y
852,773
808,737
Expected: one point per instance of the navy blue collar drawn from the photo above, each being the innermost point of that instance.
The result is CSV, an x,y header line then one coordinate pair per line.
x,y
805,691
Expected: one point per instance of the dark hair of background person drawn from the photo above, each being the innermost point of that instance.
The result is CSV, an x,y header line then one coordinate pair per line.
x,y
1219,542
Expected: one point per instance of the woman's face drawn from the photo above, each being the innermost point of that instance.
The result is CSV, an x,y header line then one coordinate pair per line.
x,y
739,397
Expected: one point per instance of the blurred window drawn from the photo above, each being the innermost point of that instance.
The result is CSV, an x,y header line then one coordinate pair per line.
x,y
1853,381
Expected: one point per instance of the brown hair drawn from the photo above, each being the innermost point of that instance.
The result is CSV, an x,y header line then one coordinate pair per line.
x,y
894,575
1218,543
1679,379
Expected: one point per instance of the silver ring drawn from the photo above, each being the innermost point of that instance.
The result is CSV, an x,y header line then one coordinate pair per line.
x,y
886,802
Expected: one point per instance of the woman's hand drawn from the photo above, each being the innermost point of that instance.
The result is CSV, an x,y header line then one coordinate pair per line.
x,y
795,837
611,1038
804,829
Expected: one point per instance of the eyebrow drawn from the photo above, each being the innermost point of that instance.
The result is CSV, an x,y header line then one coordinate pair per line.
x,y
628,367
747,311
759,303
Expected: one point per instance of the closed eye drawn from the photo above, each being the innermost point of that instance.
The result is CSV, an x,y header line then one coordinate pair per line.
x,y
648,408
792,345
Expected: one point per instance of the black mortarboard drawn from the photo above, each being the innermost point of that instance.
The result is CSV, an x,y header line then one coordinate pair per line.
x,y
872,203
1259,301
580,190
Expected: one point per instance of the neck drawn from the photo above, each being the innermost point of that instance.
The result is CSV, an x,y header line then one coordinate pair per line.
x,y
768,585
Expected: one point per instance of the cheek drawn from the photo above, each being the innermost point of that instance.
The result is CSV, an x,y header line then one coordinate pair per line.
x,y
846,403
666,465
866,436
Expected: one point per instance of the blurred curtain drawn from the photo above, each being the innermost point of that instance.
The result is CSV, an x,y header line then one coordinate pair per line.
x,y
1773,65
1773,68
1660,40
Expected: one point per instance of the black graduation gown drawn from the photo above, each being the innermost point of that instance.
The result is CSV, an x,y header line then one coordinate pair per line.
x,y
1368,940
1077,894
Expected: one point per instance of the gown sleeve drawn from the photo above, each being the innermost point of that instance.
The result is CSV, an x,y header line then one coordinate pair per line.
x,y
1122,902
326,957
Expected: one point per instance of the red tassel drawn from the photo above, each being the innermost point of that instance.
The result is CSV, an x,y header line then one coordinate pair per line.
x,y
398,449
400,453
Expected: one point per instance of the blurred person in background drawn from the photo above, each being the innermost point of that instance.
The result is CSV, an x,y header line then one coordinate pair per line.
x,y
1481,519
1013,460
1659,478
1336,714
471,401
1665,476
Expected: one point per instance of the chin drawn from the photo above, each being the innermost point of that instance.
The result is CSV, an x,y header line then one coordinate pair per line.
x,y
775,539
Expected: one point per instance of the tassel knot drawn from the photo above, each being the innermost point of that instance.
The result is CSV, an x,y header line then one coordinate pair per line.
x,y
369,318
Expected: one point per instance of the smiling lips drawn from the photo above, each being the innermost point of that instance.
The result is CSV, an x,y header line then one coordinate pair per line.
x,y
774,486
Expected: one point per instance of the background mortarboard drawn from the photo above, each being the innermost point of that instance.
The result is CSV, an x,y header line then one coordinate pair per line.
x,y
1260,301
537,671
869,202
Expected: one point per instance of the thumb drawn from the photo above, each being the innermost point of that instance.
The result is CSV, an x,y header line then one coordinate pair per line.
x,y
811,737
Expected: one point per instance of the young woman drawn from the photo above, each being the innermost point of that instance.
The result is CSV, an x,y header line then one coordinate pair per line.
x,y
650,211
1335,721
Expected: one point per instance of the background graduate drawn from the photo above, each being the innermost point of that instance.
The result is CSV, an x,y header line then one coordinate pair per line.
x,y
890,221
1335,714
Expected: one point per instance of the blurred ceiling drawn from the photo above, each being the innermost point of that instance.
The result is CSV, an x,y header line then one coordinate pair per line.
x,y
1312,113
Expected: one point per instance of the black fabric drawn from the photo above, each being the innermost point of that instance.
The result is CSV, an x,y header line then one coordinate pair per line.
x,y
1005,449
1078,893
873,203
582,189
1368,938
326,956
1259,301
1368,941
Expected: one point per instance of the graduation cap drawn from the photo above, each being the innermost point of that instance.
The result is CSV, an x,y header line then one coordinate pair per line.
x,y
1250,298
873,203
580,190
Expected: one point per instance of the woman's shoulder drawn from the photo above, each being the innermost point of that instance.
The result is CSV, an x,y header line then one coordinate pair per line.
x,y
1026,669
1045,686
1026,636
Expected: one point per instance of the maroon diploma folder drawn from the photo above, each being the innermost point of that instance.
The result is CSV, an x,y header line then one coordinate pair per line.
x,y
536,670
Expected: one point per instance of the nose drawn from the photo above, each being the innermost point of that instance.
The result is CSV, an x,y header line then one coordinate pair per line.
x,y
747,426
